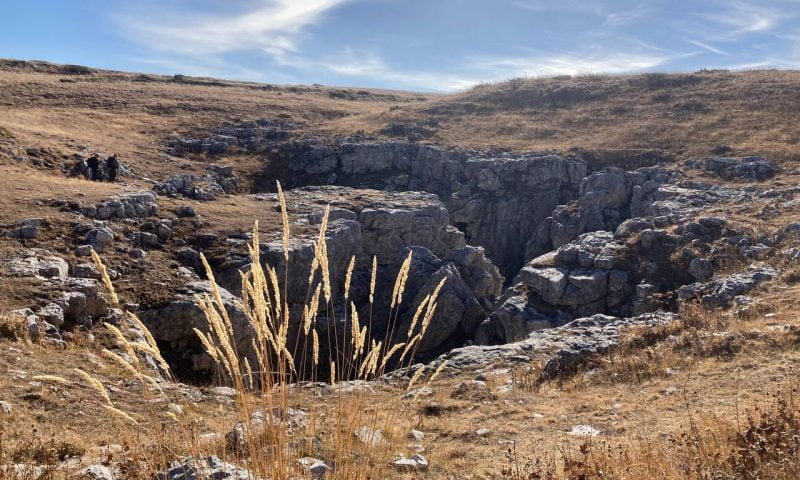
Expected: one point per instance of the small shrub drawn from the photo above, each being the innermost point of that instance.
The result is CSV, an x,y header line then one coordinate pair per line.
x,y
792,276
13,327
75,70
47,453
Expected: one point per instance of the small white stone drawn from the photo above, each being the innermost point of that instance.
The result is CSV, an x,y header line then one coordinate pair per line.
x,y
583,431
417,462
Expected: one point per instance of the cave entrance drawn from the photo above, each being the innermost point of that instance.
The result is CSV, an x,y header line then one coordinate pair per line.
x,y
462,227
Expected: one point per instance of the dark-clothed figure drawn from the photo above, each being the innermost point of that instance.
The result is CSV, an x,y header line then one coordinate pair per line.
x,y
94,167
112,167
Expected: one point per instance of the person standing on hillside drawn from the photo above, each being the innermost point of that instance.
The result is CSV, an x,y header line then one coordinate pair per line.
x,y
93,163
112,167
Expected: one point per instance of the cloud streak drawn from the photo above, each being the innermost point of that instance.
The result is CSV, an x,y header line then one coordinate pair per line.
x,y
270,27
706,46
742,18
471,71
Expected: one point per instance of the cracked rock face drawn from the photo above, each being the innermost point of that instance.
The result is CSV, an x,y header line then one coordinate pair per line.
x,y
497,201
375,224
585,255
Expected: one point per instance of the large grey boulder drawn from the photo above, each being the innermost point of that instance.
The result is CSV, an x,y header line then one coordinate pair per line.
x,y
174,321
513,320
35,262
721,292
130,205
100,238
26,229
749,168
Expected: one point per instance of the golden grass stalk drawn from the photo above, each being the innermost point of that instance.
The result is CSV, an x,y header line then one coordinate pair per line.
x,y
155,351
326,273
438,371
123,342
400,281
355,328
417,312
333,373
372,279
417,375
315,262
348,277
121,362
315,347
389,354
104,276
285,220
115,411
95,384
51,378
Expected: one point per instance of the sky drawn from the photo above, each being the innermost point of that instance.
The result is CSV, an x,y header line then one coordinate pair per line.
x,y
424,45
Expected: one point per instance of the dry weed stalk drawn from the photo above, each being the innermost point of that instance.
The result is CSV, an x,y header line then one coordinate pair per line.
x,y
269,389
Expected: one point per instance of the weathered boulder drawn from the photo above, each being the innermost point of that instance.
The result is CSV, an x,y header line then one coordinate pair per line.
x,y
260,423
130,205
174,321
36,262
513,320
749,168
26,229
100,238
567,346
721,292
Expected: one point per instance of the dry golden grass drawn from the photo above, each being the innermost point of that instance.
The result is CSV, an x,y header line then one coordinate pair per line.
x,y
13,327
667,403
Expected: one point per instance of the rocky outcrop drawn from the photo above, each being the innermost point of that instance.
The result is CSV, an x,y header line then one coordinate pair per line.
x,y
220,181
251,137
36,262
384,225
728,168
131,205
565,347
606,198
721,292
637,269
172,325
27,229
496,200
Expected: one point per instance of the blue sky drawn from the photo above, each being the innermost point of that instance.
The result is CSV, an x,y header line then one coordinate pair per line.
x,y
435,45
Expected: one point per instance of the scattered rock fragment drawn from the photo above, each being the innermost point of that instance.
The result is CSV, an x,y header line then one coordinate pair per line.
x,y
415,463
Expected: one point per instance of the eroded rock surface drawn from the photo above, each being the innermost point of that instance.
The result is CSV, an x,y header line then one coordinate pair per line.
x,y
496,200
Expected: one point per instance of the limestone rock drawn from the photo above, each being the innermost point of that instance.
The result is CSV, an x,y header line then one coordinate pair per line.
x,y
205,468
36,263
415,463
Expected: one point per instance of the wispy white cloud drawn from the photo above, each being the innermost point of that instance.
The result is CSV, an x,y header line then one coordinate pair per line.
x,y
626,17
741,18
706,46
270,27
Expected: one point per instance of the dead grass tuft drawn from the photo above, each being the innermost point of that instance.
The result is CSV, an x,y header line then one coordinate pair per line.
x,y
13,327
